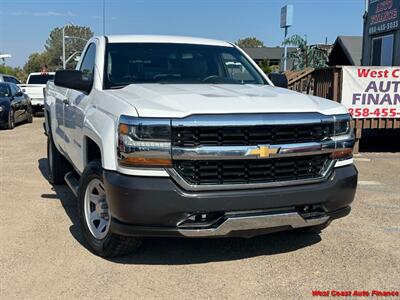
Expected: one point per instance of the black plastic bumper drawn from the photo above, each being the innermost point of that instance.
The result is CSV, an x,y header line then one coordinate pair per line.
x,y
153,206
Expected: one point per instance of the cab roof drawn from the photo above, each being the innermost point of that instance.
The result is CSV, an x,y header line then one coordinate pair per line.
x,y
165,39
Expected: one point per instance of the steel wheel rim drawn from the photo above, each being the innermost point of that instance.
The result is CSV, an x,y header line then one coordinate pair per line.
x,y
96,209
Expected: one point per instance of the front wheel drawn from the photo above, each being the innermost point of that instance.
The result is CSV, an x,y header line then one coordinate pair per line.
x,y
94,216
29,118
11,119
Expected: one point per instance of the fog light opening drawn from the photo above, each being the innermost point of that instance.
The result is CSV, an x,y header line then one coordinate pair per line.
x,y
311,211
201,220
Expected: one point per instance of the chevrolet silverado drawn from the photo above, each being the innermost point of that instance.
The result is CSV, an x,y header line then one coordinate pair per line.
x,y
187,137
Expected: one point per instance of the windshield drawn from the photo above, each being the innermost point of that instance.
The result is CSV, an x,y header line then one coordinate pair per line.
x,y
4,90
40,79
129,63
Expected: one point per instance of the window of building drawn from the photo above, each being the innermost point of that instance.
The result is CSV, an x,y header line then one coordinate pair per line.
x,y
382,51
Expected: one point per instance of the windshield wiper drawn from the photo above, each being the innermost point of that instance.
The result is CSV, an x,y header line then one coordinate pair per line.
x,y
116,87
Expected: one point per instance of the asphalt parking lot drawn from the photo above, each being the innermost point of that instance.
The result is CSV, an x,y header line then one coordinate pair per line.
x,y
42,253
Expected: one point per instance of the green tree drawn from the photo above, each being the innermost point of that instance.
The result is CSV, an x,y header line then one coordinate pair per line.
x,y
305,56
20,74
76,41
16,72
7,70
36,62
249,42
267,68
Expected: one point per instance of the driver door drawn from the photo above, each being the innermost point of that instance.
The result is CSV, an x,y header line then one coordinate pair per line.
x,y
74,108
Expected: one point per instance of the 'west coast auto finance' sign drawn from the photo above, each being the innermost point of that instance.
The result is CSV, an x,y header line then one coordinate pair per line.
x,y
383,15
372,92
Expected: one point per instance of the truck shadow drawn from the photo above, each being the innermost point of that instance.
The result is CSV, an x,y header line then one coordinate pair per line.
x,y
67,200
181,251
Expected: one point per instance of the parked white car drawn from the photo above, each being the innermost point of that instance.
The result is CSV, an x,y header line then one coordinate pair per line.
x,y
34,88
178,136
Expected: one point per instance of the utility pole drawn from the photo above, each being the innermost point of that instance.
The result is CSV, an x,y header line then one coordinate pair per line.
x,y
285,52
286,22
3,58
63,45
104,17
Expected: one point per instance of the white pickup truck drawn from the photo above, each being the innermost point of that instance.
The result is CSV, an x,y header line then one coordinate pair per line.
x,y
34,88
179,136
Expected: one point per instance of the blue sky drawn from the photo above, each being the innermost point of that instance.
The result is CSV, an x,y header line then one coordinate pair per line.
x,y
25,24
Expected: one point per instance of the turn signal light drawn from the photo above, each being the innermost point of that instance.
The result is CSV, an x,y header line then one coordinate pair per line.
x,y
342,153
145,162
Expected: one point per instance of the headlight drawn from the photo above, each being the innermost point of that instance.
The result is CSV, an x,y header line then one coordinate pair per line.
x,y
342,128
1,108
343,135
144,142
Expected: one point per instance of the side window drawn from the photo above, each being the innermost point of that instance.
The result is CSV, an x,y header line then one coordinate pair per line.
x,y
7,79
87,66
13,89
14,80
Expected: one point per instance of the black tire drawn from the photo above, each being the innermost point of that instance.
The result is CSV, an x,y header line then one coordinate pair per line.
x,y
57,164
11,119
29,118
111,245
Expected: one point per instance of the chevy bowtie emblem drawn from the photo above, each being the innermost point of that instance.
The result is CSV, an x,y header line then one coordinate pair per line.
x,y
263,151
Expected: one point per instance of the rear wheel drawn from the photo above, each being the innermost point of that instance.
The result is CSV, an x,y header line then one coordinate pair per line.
x,y
11,119
58,165
95,219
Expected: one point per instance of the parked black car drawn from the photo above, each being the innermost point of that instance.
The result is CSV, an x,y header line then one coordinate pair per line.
x,y
15,106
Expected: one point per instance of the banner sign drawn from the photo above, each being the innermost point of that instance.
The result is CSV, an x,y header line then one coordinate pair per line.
x,y
384,15
371,92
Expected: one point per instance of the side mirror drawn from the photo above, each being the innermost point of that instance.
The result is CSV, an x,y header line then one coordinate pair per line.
x,y
19,94
23,90
278,80
72,79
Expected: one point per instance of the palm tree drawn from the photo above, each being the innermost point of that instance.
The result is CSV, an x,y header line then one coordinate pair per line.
x,y
305,56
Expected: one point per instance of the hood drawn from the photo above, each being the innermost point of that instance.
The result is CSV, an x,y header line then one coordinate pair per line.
x,y
181,100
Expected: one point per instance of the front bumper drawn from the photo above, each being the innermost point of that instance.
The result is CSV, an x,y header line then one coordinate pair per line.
x,y
149,206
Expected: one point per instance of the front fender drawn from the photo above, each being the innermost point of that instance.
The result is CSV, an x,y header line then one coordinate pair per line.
x,y
100,127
